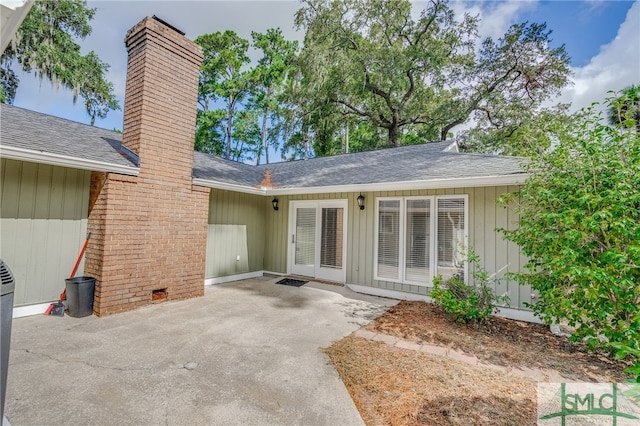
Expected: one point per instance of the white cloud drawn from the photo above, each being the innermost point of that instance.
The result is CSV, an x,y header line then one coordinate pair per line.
x,y
495,16
615,67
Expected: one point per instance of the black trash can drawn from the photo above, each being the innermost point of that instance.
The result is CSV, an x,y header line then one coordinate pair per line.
x,y
80,296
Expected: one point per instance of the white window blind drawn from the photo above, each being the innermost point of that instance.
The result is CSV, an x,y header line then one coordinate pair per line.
x,y
388,239
331,239
421,237
418,240
305,236
451,238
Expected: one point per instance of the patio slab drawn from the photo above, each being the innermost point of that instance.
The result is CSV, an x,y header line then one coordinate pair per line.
x,y
248,352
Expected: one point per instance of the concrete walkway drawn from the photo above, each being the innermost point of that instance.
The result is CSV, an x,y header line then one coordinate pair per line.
x,y
247,353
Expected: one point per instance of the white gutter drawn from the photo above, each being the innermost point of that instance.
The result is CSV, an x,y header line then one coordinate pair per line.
x,y
503,180
22,154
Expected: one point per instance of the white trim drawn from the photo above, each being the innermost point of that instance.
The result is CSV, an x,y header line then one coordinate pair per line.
x,y
511,313
518,314
229,186
32,156
391,294
504,180
29,310
472,182
230,278
13,13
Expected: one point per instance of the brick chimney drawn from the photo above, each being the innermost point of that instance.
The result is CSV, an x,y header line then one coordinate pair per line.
x,y
149,232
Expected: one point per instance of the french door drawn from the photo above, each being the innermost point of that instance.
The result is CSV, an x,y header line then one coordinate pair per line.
x,y
317,239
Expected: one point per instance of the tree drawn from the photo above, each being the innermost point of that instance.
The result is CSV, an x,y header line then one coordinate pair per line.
x,y
46,44
210,132
626,105
422,77
527,135
223,77
268,79
247,135
580,228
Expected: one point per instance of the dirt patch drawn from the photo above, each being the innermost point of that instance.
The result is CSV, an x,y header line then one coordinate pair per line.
x,y
396,386
499,341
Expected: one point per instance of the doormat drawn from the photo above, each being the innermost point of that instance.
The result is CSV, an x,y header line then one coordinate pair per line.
x,y
292,282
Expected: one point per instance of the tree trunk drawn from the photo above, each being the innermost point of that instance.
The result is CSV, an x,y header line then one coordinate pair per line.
x,y
264,146
229,124
393,135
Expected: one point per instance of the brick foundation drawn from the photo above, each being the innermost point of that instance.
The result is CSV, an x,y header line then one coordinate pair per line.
x,y
149,232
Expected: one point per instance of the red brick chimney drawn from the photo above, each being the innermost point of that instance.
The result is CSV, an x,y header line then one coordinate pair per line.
x,y
148,233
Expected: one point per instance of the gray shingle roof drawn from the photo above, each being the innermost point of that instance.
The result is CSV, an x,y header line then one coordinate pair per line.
x,y
224,171
24,129
403,164
30,130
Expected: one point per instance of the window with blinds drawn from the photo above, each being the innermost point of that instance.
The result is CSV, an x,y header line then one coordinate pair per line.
x,y
451,238
418,240
331,239
305,236
388,239
421,237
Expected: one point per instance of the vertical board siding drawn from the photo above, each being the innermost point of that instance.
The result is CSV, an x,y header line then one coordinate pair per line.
x,y
236,228
43,224
227,248
485,215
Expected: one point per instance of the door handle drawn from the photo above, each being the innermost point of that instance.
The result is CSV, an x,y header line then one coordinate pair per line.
x,y
293,238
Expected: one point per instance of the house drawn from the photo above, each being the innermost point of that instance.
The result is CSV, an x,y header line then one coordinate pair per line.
x,y
166,221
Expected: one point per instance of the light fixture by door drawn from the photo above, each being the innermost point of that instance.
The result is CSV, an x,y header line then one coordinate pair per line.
x,y
274,203
361,201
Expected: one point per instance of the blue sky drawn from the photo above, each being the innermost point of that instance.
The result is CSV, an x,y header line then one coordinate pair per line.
x,y
602,38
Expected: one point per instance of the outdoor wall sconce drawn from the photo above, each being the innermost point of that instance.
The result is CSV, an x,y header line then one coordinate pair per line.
x,y
361,201
274,203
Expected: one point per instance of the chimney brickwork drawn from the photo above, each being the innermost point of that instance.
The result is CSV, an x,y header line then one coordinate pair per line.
x,y
149,232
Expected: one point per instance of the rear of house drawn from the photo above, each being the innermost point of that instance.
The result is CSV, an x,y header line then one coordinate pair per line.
x,y
165,220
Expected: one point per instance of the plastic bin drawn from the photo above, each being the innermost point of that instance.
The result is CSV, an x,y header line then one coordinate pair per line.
x,y
8,287
80,296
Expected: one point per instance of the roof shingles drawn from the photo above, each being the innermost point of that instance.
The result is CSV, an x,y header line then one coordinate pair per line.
x,y
30,130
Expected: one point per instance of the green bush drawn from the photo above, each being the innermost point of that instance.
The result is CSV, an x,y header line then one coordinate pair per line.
x,y
465,303
624,351
580,228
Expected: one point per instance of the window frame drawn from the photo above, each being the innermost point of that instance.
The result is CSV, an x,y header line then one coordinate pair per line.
x,y
433,238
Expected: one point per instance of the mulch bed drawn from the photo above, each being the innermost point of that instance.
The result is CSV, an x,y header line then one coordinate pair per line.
x,y
396,386
499,341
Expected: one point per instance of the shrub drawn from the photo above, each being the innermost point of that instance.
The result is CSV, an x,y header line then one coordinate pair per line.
x,y
465,303
580,228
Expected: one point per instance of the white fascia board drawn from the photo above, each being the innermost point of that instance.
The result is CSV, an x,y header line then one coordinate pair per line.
x,y
516,179
503,180
32,156
228,186
13,13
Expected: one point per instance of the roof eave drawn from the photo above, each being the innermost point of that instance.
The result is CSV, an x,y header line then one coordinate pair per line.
x,y
229,186
32,156
448,183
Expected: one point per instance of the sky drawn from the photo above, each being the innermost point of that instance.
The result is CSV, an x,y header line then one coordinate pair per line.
x,y
601,37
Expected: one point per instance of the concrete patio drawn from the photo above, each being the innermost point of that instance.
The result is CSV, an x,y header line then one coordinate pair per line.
x,y
248,352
